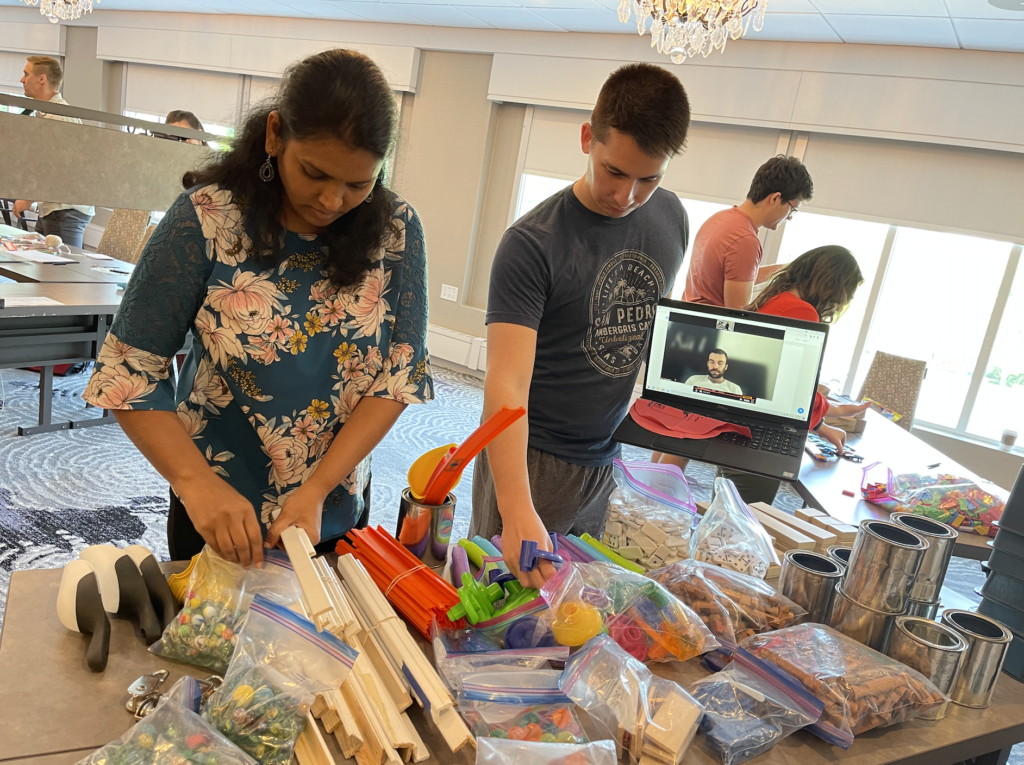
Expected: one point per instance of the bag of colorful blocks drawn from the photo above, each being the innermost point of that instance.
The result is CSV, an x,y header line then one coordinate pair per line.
x,y
205,631
281,663
650,513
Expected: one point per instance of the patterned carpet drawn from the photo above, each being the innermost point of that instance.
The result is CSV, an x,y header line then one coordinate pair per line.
x,y
60,492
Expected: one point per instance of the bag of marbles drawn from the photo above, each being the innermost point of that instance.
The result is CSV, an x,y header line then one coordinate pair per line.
x,y
525,706
731,537
171,735
650,513
205,631
279,666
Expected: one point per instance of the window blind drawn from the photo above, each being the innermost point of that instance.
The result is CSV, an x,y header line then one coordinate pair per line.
x,y
211,96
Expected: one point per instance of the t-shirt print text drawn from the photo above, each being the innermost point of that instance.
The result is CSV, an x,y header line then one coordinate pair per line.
x,y
621,310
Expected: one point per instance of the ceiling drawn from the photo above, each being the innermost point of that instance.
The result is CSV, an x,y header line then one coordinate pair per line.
x,y
968,24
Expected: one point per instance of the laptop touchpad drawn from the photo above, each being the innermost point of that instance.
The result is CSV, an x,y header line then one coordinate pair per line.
x,y
685,447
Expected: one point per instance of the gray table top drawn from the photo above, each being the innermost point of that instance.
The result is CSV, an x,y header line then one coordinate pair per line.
x,y
54,710
74,299
88,272
821,484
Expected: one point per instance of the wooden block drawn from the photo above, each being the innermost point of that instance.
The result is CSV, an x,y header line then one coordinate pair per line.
x,y
809,514
786,537
845,534
702,507
823,538
674,725
310,748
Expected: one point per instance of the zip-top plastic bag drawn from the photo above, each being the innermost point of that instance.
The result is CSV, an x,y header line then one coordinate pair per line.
x,y
453,666
447,639
861,688
205,631
497,751
170,735
281,663
729,535
525,706
734,606
943,497
750,706
496,628
640,615
650,513
642,713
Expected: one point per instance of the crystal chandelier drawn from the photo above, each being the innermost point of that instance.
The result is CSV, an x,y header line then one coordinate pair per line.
x,y
62,10
684,28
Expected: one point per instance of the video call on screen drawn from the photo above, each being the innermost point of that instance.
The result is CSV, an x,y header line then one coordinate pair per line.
x,y
722,357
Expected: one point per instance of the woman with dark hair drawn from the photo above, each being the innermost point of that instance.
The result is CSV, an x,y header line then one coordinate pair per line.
x,y
301,278
817,286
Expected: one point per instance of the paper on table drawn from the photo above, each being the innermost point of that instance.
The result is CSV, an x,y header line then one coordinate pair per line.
x,y
28,302
37,256
97,256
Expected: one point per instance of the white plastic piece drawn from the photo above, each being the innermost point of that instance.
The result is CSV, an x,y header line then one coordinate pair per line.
x,y
67,595
103,559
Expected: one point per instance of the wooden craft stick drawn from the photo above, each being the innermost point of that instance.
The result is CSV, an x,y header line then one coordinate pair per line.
x,y
369,644
823,538
347,733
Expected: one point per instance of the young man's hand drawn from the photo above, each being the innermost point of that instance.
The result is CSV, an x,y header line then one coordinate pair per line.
x,y
834,436
526,526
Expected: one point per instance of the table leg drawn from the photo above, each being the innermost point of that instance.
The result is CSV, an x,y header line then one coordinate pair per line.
x,y
992,758
46,424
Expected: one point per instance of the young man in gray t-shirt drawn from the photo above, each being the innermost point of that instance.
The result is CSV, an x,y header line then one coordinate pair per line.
x,y
573,290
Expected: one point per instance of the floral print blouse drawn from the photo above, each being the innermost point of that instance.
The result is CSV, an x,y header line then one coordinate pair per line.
x,y
280,356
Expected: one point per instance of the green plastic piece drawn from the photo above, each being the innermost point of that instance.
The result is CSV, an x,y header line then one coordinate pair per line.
x,y
473,552
476,600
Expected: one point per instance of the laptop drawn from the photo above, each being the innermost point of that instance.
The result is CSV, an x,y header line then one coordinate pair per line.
x,y
740,367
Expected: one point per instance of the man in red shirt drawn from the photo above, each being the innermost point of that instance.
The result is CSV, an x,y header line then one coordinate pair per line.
x,y
726,250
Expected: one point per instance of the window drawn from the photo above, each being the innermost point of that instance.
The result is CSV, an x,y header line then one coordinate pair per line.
x,y
208,127
1000,402
697,213
534,189
935,305
865,240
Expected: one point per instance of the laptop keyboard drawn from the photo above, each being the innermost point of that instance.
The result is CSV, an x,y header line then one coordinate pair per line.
x,y
775,440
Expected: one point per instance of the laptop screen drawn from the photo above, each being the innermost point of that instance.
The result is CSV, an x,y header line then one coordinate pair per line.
x,y
742,360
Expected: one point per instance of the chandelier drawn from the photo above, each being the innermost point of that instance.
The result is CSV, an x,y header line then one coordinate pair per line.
x,y
684,28
62,10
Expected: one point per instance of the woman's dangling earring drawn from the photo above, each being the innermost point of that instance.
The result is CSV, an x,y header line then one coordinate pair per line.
x,y
267,171
369,198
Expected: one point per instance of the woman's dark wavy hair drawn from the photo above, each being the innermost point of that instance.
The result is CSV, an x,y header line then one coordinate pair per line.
x,y
337,94
826,277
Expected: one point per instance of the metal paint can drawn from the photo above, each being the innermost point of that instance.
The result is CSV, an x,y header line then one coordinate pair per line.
x,y
941,539
865,625
809,580
987,643
421,525
933,649
883,566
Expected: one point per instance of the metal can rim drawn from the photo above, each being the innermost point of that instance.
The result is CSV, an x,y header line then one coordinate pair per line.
x,y
961,644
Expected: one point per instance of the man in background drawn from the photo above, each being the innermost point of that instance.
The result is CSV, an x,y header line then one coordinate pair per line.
x,y
573,290
726,250
718,362
182,119
41,79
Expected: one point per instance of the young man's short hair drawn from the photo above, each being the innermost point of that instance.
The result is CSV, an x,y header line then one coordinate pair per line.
x,y
179,115
720,352
50,67
648,104
786,175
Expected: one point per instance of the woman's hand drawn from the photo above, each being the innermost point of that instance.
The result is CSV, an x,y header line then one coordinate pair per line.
x,y
224,518
834,436
847,410
304,508
526,525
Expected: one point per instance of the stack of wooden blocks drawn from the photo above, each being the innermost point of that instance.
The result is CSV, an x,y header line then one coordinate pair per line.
x,y
367,713
845,533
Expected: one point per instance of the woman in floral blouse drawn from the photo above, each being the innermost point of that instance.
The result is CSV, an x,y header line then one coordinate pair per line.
x,y
302,280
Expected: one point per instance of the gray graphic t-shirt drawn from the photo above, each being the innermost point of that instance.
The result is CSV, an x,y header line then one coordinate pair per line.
x,y
589,285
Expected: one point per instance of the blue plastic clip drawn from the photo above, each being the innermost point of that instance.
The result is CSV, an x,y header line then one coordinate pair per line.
x,y
529,555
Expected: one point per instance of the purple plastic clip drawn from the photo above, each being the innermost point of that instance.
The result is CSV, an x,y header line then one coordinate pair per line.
x,y
496,541
529,555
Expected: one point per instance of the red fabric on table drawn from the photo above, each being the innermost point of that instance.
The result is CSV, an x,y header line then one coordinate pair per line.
x,y
667,421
